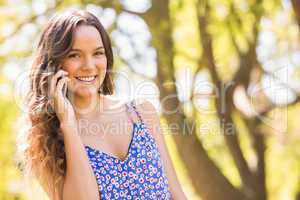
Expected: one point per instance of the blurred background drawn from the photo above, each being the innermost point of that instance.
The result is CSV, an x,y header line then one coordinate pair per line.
x,y
224,75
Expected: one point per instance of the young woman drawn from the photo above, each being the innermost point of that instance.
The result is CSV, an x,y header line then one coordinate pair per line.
x,y
70,102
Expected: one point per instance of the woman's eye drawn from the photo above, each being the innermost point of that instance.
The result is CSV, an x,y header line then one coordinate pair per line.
x,y
99,53
74,55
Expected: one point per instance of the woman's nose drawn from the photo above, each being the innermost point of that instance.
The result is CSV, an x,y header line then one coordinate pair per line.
x,y
88,63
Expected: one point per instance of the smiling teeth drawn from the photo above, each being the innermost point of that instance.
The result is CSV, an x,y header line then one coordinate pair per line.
x,y
86,78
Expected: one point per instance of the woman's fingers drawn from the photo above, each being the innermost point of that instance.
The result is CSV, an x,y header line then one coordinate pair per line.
x,y
53,82
60,86
60,100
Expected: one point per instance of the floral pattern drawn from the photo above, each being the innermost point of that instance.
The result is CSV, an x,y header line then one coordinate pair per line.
x,y
141,175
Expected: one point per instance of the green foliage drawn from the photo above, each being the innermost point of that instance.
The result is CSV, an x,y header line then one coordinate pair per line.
x,y
10,185
185,34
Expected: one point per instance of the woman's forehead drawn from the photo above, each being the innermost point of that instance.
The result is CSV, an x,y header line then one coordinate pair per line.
x,y
87,36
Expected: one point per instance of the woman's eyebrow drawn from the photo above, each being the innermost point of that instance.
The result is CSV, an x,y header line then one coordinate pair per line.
x,y
98,48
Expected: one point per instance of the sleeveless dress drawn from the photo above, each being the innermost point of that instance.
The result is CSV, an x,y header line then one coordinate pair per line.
x,y
141,175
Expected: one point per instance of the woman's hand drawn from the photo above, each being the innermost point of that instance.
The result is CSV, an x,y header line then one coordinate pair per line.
x,y
59,101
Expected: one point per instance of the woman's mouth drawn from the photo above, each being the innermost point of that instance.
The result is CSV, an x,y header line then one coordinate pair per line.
x,y
86,79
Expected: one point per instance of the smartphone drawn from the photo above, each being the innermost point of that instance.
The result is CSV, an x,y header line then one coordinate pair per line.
x,y
65,90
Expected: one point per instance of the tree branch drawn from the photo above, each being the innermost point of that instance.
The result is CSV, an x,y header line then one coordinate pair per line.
x,y
226,118
115,4
296,8
210,177
29,20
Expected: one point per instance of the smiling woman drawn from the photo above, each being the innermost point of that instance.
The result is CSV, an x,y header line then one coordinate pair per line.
x,y
86,61
75,163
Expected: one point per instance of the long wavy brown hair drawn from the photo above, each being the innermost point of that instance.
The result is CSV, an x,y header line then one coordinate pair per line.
x,y
45,154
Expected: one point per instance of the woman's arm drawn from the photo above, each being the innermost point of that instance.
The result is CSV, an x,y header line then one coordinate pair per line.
x,y
151,118
80,182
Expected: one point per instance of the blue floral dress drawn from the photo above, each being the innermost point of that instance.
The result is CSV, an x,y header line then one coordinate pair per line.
x,y
141,175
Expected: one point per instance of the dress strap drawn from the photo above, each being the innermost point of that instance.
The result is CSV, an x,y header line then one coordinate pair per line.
x,y
132,108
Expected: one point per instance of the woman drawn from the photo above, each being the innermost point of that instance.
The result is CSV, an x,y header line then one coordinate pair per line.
x,y
69,99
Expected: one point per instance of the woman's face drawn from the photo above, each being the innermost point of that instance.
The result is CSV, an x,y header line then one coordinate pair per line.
x,y
86,63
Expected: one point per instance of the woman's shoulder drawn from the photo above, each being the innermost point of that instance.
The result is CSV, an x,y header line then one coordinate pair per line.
x,y
145,106
150,117
147,111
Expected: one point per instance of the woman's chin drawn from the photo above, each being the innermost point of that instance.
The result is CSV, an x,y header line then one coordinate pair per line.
x,y
86,91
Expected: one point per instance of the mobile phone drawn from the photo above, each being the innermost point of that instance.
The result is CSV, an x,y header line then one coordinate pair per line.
x,y
64,88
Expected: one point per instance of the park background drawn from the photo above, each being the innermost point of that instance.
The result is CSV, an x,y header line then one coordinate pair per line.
x,y
224,75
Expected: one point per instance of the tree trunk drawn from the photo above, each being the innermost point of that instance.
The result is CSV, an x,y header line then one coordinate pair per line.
x,y
296,8
209,181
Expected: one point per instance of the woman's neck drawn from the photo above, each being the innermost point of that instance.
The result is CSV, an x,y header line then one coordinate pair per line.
x,y
88,106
